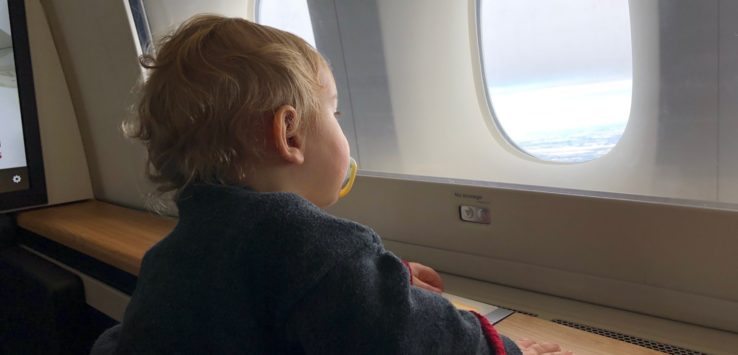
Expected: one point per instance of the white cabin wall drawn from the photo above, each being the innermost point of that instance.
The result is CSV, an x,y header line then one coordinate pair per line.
x,y
673,262
98,53
65,163
687,135
425,54
728,104
445,128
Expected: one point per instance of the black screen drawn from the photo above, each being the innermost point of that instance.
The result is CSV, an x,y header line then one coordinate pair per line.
x,y
21,167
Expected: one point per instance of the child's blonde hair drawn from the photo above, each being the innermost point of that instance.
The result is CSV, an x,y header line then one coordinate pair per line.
x,y
212,85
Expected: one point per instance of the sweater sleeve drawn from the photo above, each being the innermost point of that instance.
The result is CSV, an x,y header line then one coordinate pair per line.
x,y
366,305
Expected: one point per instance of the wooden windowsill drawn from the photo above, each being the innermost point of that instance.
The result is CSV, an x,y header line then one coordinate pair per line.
x,y
520,326
115,235
120,237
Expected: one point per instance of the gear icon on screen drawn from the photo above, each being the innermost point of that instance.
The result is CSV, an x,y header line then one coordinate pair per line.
x,y
17,179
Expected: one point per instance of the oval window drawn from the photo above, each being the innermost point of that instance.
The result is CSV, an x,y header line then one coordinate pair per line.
x,y
558,74
287,15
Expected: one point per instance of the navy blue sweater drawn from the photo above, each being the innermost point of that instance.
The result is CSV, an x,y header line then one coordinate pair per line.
x,y
271,273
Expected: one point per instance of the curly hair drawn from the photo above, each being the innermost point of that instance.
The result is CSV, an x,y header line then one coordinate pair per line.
x,y
212,85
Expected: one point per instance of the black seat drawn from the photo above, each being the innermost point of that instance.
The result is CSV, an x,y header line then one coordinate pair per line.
x,y
42,305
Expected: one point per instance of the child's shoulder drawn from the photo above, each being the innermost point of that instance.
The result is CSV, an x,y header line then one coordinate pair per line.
x,y
297,240
286,217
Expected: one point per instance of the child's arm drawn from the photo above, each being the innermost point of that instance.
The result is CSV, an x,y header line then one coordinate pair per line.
x,y
366,305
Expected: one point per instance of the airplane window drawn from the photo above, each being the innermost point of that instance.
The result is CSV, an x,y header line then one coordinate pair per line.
x,y
141,25
288,15
560,82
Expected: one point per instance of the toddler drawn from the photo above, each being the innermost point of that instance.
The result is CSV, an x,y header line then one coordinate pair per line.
x,y
239,120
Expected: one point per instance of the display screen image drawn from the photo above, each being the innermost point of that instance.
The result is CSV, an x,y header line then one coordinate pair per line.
x,y
13,164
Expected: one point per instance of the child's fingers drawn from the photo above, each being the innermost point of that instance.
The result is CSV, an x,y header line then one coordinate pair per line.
x,y
545,348
551,347
533,347
427,275
524,343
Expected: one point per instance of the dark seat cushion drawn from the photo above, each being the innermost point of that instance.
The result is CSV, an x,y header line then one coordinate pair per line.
x,y
41,305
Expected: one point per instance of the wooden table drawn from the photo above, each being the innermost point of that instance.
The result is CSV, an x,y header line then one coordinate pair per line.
x,y
115,235
520,326
120,236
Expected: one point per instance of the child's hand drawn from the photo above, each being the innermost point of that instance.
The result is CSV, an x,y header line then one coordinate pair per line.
x,y
531,347
425,277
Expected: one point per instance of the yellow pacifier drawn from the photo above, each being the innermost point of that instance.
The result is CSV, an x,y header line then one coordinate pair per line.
x,y
348,181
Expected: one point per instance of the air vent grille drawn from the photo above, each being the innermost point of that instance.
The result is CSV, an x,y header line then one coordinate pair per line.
x,y
653,345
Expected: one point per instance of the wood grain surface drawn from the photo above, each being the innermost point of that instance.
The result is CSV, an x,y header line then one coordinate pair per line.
x,y
114,235
519,326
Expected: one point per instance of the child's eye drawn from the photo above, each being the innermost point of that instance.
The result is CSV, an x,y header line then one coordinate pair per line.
x,y
337,113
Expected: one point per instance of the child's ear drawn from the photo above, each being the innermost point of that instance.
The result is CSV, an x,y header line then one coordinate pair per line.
x,y
288,139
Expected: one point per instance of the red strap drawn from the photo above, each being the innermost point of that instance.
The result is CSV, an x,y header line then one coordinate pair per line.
x,y
409,270
491,334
